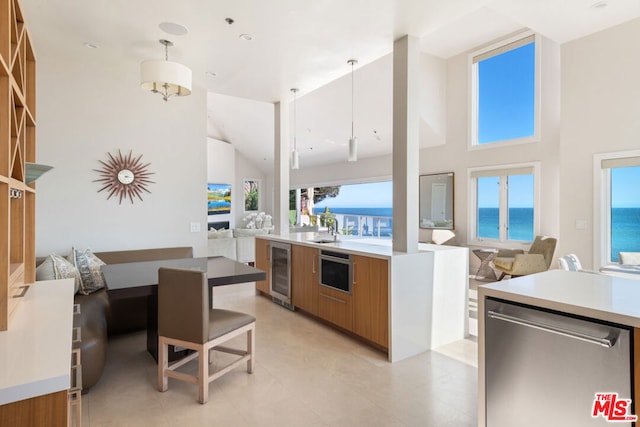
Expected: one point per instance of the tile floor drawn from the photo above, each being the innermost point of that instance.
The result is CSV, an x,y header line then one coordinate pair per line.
x,y
307,374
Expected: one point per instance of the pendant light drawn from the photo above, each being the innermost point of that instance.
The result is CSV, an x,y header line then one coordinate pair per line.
x,y
166,78
295,156
353,141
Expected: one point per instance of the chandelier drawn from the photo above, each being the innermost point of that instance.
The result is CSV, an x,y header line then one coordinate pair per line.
x,y
166,78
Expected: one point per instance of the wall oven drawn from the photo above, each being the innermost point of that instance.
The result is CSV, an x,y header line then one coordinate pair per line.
x,y
336,270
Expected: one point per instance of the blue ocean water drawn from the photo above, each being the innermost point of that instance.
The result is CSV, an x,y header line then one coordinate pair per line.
x,y
625,231
520,224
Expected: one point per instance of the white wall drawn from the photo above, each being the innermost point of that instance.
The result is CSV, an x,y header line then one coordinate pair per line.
x,y
86,109
221,169
454,156
600,113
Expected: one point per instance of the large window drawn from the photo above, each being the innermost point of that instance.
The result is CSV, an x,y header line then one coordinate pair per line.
x,y
504,92
504,204
619,206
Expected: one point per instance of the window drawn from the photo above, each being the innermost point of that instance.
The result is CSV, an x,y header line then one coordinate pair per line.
x,y
619,206
504,84
504,204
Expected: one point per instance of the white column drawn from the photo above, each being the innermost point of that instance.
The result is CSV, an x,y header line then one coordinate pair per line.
x,y
281,169
406,152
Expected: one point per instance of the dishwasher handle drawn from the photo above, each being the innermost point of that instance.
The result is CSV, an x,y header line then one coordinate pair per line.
x,y
607,342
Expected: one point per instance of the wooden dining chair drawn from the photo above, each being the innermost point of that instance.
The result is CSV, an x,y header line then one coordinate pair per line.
x,y
185,320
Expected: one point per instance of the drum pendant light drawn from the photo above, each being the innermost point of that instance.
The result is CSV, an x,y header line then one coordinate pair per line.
x,y
295,156
353,141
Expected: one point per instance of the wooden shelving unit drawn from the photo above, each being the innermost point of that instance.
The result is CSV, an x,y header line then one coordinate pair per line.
x,y
17,146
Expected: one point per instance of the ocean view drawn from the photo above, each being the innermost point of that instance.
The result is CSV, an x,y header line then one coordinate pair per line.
x,y
625,231
520,224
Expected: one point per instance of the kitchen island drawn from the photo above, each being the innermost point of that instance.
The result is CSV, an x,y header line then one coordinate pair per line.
x,y
404,303
580,362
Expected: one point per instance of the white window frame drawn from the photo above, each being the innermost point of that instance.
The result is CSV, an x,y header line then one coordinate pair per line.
x,y
473,93
602,203
502,171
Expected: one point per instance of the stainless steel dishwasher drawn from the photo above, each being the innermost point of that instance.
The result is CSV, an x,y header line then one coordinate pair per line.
x,y
544,368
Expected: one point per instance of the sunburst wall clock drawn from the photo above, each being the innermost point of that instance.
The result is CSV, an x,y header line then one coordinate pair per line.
x,y
125,177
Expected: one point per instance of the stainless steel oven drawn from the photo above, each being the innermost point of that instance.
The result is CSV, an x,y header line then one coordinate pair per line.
x,y
336,270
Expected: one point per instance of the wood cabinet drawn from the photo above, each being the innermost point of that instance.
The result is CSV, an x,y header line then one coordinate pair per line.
x,y
17,146
370,293
336,307
263,262
304,278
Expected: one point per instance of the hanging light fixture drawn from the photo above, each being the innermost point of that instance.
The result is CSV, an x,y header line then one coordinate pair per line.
x,y
165,77
353,141
295,156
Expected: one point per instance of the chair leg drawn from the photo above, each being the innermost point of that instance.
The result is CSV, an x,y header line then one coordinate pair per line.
x,y
163,364
502,276
203,375
251,349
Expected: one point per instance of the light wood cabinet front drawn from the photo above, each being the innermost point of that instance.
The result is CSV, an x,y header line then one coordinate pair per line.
x,y
370,294
263,262
304,278
335,307
47,410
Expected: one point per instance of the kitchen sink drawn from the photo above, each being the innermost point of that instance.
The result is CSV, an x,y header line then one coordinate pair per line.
x,y
323,240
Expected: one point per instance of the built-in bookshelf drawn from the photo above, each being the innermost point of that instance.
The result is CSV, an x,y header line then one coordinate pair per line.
x,y
17,146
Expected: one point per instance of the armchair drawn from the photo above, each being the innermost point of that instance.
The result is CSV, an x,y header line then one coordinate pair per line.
x,y
538,258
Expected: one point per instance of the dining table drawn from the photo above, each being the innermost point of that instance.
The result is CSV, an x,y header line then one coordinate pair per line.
x,y
137,279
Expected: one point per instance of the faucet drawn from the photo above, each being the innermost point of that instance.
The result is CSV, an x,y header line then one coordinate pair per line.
x,y
334,230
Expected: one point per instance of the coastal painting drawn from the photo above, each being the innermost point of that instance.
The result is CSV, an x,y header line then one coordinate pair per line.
x,y
218,199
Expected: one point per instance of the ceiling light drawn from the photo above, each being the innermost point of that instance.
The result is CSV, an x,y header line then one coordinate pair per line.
x,y
173,28
246,37
211,74
295,156
353,141
90,45
167,78
600,4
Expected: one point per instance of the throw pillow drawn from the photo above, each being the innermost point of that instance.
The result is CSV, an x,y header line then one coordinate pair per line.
x,y
62,269
220,234
89,267
630,258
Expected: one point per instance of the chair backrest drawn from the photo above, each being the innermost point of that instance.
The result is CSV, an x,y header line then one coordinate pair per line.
x,y
545,246
183,304
570,262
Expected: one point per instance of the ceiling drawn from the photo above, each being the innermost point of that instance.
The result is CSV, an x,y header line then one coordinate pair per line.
x,y
303,44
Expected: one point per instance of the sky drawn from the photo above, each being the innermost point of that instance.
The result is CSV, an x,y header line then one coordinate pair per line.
x,y
370,195
625,187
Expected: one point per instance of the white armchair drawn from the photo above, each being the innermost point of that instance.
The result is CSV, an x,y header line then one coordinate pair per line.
x,y
246,243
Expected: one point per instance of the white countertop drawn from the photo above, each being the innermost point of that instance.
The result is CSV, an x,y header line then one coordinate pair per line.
x,y
35,353
597,296
377,248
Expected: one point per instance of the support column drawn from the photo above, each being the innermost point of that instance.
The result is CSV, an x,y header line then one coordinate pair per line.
x,y
406,148
281,169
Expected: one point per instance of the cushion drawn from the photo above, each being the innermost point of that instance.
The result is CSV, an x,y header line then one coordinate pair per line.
x,y
89,267
244,232
504,263
57,267
220,234
629,258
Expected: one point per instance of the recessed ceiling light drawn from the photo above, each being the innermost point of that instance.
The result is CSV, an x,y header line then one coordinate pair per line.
x,y
211,74
90,45
601,4
246,37
173,28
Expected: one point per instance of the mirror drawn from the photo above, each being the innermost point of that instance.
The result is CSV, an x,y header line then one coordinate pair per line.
x,y
436,201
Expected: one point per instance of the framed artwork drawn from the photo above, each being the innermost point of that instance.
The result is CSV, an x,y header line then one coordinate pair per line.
x,y
218,199
251,195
